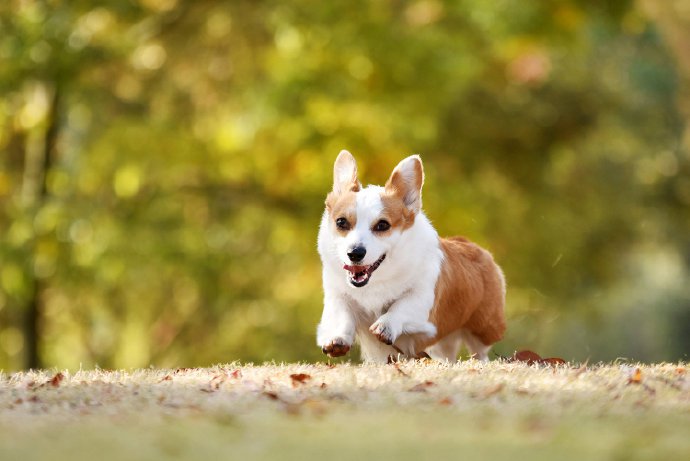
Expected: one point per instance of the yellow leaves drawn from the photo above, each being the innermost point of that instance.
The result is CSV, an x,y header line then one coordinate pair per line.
x,y
12,279
160,6
149,57
127,181
11,341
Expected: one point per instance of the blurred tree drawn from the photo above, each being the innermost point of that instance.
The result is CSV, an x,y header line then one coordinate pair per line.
x,y
185,148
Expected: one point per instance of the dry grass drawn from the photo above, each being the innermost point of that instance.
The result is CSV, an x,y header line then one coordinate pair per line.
x,y
413,410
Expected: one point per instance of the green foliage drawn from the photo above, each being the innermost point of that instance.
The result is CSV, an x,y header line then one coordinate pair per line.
x,y
193,146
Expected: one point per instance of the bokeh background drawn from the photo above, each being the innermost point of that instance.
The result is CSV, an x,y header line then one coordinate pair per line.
x,y
163,166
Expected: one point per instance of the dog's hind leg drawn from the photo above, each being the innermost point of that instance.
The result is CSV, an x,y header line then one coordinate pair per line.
x,y
374,351
475,346
446,349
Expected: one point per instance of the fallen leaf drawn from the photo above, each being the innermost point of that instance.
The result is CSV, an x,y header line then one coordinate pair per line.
x,y
527,356
493,390
530,358
636,377
317,407
299,378
553,361
215,382
445,401
680,371
323,386
166,378
293,409
57,379
270,395
421,387
236,373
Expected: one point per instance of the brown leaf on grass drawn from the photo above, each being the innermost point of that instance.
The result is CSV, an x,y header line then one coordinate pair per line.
x,y
215,382
668,382
446,401
680,371
530,358
299,378
270,395
56,380
492,390
323,386
636,377
165,378
236,374
421,387
526,356
553,361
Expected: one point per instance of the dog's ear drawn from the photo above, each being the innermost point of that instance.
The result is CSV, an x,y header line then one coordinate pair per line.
x,y
345,173
406,182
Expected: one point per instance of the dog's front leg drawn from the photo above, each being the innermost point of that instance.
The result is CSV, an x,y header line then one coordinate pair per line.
x,y
408,315
336,332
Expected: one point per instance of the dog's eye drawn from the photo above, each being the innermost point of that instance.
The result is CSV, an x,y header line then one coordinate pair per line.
x,y
382,226
342,224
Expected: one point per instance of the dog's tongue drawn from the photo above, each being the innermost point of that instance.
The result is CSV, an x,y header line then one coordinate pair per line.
x,y
355,269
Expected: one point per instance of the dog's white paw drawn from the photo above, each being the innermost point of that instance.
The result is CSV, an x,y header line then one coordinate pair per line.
x,y
385,330
336,347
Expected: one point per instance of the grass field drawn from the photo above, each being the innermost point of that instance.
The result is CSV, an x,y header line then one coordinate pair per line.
x,y
411,410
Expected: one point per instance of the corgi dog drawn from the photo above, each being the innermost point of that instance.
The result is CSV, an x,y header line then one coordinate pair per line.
x,y
392,283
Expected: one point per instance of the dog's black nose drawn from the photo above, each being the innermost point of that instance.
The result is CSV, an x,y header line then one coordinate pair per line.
x,y
357,254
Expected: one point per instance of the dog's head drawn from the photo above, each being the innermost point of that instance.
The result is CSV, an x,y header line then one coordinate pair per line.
x,y
366,223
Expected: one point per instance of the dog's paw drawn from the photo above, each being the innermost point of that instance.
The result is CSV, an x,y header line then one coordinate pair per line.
x,y
383,331
336,348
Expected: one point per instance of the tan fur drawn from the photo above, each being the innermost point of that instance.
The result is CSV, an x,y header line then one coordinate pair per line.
x,y
470,294
342,206
395,212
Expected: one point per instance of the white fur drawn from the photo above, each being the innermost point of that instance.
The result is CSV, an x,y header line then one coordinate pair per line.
x,y
400,293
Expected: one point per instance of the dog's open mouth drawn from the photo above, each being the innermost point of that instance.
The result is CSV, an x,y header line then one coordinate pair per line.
x,y
359,275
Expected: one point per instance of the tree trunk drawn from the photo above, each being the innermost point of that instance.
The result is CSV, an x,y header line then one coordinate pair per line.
x,y
38,161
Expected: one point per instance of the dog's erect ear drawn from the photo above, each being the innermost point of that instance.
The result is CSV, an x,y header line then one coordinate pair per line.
x,y
406,182
345,173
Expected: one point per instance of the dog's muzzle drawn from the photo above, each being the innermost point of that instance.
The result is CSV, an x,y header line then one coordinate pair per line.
x,y
359,275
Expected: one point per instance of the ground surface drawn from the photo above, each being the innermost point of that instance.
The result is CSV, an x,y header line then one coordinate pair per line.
x,y
412,410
